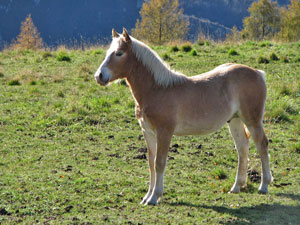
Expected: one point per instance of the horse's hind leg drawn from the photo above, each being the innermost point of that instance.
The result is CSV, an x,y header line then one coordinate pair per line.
x,y
261,143
238,132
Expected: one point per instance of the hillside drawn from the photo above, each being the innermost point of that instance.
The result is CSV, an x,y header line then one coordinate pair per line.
x,y
71,22
72,152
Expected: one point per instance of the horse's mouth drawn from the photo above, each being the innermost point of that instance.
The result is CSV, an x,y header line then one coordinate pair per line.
x,y
100,81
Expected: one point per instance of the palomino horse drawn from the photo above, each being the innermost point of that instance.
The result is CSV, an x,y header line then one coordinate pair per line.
x,y
168,103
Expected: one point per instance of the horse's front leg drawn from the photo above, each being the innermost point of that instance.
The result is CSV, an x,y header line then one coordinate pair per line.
x,y
163,142
151,148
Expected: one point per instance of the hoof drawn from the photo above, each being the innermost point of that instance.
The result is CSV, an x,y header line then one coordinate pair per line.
x,y
263,189
150,203
234,190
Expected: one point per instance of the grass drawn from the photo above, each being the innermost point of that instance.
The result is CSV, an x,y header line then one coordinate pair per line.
x,y
232,52
72,152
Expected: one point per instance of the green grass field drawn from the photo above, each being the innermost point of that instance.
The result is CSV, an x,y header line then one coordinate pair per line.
x,y
71,152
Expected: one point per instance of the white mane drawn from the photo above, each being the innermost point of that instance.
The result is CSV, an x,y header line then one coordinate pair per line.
x,y
162,73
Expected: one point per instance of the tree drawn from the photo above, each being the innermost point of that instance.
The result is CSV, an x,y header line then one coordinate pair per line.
x,y
29,37
290,26
161,21
234,35
264,20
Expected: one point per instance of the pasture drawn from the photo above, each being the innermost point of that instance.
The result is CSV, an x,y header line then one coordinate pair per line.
x,y
72,152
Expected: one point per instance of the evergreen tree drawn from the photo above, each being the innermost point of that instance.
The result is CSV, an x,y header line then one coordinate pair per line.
x,y
161,21
29,37
263,22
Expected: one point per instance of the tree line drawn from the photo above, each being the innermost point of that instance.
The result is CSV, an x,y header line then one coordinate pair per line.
x,y
163,21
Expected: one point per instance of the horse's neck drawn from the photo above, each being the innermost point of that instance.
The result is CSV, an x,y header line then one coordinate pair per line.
x,y
141,83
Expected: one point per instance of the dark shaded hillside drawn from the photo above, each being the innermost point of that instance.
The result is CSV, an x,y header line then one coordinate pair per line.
x,y
70,21
62,21
225,12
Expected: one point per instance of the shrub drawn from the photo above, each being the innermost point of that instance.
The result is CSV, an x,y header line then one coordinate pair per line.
x,y
265,44
194,52
46,55
284,59
14,82
174,49
96,52
262,59
232,52
203,42
273,57
63,56
166,57
219,174
33,82
186,48
61,94
280,109
1,74
284,90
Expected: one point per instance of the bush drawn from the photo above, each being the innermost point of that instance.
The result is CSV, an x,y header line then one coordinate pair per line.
x,y
14,82
232,52
33,82
284,90
186,48
265,44
1,74
194,52
60,94
202,42
273,57
284,59
219,174
96,52
174,49
46,55
63,56
166,57
262,59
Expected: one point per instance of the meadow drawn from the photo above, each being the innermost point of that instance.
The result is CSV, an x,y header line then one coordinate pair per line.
x,y
72,152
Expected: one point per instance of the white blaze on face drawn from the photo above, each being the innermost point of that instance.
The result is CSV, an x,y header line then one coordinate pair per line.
x,y
103,69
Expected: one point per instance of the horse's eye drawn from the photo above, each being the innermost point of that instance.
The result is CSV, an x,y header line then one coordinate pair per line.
x,y
119,53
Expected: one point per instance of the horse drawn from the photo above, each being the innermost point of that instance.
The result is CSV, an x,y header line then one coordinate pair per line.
x,y
169,103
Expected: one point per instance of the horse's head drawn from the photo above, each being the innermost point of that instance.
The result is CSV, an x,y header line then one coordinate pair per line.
x,y
116,64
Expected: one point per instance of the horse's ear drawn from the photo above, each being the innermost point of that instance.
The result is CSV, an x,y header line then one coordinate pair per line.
x,y
114,33
126,35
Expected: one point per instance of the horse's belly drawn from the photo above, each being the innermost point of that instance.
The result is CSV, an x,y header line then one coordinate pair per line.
x,y
197,127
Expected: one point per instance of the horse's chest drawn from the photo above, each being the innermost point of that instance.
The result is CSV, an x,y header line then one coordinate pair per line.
x,y
144,121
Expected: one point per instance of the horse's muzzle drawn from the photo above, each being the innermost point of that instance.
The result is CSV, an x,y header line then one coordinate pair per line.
x,y
99,80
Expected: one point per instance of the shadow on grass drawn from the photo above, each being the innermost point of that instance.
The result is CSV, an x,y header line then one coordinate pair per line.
x,y
259,214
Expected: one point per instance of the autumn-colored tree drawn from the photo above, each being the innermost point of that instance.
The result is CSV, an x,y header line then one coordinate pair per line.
x,y
161,21
290,26
29,37
263,22
234,35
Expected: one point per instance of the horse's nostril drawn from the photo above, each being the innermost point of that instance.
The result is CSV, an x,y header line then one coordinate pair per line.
x,y
100,76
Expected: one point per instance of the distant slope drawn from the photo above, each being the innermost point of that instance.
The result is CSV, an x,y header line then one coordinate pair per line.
x,y
69,21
